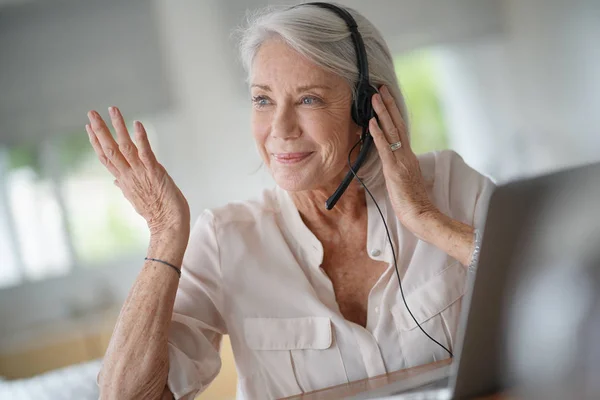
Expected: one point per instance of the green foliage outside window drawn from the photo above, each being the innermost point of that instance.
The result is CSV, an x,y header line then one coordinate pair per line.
x,y
22,156
416,73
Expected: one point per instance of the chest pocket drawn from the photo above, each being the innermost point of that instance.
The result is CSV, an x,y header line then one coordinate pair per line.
x,y
436,305
296,354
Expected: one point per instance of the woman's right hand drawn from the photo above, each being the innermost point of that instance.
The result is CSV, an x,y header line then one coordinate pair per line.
x,y
141,178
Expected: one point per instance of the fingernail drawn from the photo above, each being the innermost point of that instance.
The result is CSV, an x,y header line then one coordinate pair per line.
x,y
95,116
384,90
113,111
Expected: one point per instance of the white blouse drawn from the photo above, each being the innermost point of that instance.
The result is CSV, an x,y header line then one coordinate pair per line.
x,y
252,271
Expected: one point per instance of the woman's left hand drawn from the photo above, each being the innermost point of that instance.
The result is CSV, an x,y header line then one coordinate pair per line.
x,y
406,185
404,181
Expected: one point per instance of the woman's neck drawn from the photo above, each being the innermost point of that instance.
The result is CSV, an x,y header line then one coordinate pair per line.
x,y
311,206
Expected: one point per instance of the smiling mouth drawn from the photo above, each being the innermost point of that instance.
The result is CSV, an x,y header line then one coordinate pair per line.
x,y
291,158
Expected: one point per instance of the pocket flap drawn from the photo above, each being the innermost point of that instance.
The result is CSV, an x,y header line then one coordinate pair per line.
x,y
288,333
433,297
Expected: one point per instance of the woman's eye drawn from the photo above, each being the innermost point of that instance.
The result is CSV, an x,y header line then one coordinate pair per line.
x,y
260,101
309,100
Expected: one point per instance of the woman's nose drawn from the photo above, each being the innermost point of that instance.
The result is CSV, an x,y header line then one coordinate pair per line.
x,y
285,124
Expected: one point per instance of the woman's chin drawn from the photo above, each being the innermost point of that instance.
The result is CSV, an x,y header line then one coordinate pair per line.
x,y
295,182
306,182
291,185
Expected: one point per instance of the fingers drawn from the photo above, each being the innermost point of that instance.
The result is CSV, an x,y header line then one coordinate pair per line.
x,y
122,155
100,153
144,149
395,114
110,148
385,120
381,142
126,145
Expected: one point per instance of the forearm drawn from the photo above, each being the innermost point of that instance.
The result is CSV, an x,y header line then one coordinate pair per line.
x,y
453,237
136,362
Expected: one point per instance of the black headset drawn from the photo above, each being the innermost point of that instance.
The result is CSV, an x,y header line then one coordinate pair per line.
x,y
362,109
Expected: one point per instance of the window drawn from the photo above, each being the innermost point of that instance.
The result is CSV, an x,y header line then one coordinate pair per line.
x,y
37,223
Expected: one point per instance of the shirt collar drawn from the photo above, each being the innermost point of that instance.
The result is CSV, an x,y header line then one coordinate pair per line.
x,y
305,240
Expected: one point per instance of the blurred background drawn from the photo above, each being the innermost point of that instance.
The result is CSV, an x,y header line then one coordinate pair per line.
x,y
512,85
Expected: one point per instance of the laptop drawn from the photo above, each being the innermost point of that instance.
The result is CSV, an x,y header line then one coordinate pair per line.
x,y
530,222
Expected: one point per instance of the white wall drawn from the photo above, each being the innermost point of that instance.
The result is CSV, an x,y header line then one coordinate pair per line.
x,y
61,58
556,62
479,106
526,101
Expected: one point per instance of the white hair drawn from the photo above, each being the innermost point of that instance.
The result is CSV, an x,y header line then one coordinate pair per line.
x,y
323,37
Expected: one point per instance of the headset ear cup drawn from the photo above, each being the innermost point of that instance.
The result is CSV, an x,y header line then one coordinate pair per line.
x,y
362,108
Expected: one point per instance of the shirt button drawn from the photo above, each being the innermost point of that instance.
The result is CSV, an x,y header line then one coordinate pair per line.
x,y
375,252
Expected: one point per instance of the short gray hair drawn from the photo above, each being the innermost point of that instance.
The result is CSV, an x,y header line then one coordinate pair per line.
x,y
323,37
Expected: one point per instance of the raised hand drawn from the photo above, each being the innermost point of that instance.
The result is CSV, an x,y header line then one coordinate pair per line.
x,y
141,178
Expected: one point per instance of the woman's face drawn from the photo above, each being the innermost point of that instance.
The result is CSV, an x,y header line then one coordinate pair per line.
x,y
301,119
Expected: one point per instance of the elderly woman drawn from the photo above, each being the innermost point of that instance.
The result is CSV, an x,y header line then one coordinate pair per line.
x,y
309,297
